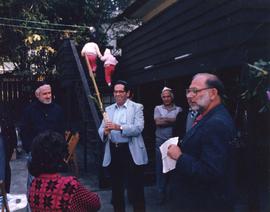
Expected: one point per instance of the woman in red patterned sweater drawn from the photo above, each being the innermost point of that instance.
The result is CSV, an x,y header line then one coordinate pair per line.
x,y
49,191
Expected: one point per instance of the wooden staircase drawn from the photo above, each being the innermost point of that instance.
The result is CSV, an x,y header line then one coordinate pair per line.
x,y
80,94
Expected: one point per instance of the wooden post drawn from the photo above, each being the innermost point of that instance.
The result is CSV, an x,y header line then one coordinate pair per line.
x,y
100,104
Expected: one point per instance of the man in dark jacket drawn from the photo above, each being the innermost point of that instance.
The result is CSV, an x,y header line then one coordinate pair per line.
x,y
204,173
41,115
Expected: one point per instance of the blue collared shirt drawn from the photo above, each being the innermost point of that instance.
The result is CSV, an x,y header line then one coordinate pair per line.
x,y
120,118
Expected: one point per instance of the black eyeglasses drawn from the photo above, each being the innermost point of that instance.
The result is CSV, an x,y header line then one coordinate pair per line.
x,y
121,92
195,91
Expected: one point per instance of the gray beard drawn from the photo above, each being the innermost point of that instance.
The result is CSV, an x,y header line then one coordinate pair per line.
x,y
203,102
46,102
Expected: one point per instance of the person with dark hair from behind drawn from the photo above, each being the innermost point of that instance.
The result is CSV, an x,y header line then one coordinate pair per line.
x,y
204,178
50,191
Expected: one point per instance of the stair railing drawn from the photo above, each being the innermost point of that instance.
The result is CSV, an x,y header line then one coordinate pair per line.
x,y
85,85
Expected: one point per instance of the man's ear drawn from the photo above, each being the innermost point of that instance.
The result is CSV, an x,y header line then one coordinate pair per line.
x,y
37,93
214,93
128,94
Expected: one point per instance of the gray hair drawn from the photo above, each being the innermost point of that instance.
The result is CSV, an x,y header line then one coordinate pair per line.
x,y
212,81
37,91
169,90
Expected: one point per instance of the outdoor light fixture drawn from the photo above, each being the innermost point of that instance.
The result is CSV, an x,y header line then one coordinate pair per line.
x,y
148,67
182,56
92,29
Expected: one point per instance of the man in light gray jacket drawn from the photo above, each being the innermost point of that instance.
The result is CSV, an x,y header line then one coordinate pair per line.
x,y
125,152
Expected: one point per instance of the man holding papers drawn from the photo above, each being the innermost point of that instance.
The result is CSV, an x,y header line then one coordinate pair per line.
x,y
204,159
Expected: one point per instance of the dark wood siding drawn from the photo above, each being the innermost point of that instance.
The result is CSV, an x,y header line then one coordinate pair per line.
x,y
216,34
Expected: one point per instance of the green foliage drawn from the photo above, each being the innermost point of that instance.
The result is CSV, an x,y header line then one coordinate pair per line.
x,y
36,18
255,84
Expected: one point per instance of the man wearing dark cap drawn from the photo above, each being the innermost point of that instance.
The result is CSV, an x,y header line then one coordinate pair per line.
x,y
41,115
204,175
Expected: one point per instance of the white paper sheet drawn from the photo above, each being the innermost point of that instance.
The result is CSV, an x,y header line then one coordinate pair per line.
x,y
168,164
15,201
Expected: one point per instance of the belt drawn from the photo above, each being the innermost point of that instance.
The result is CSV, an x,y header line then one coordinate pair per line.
x,y
117,144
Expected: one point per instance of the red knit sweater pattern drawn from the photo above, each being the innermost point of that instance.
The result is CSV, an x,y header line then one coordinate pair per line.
x,y
53,192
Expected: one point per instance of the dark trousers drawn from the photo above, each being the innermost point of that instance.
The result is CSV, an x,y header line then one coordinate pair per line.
x,y
124,172
7,177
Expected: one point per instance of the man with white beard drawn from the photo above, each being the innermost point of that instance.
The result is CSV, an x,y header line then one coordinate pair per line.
x,y
41,115
204,175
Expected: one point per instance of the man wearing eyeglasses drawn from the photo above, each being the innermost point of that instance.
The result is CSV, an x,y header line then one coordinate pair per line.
x,y
204,168
125,153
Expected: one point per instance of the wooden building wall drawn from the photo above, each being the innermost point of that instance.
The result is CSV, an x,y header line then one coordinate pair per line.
x,y
17,92
216,35
219,36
